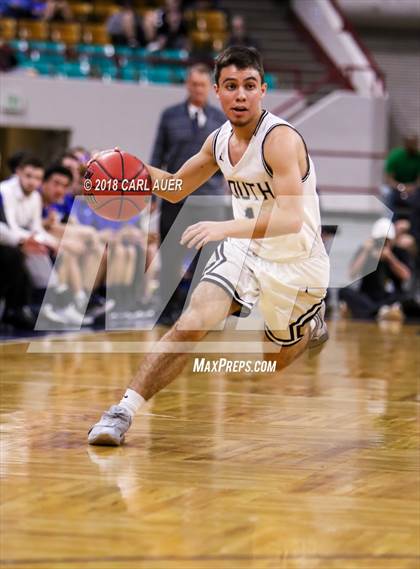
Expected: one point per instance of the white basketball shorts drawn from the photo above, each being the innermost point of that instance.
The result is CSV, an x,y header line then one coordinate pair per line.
x,y
289,294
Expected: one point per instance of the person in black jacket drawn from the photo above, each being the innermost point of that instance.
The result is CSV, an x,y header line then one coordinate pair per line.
x,y
384,268
182,130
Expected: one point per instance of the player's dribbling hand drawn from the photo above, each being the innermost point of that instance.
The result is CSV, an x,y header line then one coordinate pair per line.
x,y
200,234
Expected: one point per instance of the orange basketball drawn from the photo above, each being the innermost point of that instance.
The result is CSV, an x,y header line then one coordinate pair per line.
x,y
117,185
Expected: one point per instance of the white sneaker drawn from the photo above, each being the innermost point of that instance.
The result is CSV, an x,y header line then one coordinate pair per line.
x,y
319,333
75,318
111,428
49,313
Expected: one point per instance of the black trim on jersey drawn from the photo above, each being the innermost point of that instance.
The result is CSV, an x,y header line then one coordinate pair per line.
x,y
229,288
216,134
268,168
259,123
295,328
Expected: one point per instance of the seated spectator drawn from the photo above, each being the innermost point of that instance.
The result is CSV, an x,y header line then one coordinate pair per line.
x,y
22,205
239,34
126,251
381,291
82,154
78,244
402,170
70,161
172,31
57,11
15,159
16,287
125,26
149,31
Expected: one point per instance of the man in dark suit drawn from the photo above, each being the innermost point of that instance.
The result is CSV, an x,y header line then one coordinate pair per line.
x,y
183,128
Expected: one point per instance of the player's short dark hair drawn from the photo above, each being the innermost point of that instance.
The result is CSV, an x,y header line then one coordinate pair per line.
x,y
58,169
241,57
31,161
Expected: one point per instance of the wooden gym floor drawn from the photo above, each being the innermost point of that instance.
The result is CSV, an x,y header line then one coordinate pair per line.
x,y
315,469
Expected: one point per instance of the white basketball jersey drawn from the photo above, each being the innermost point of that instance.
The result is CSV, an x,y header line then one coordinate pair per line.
x,y
251,184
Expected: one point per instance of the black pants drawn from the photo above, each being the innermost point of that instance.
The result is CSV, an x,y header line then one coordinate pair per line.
x,y
176,257
15,283
363,306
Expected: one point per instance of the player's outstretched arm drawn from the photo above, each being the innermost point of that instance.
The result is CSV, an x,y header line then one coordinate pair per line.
x,y
285,152
195,172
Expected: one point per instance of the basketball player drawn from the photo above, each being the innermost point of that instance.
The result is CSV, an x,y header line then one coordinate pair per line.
x,y
271,251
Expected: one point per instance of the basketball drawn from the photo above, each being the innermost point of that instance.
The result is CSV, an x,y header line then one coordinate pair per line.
x,y
117,185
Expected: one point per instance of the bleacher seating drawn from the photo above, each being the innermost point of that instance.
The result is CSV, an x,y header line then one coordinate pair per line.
x,y
33,30
66,32
82,11
96,34
8,28
82,48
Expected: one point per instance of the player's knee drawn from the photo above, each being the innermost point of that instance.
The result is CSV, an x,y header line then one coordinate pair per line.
x,y
195,323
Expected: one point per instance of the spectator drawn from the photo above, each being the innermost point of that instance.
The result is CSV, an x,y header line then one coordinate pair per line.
x,y
82,154
402,169
124,26
15,159
239,34
57,11
125,259
172,31
182,130
149,31
22,205
70,161
382,290
16,287
79,244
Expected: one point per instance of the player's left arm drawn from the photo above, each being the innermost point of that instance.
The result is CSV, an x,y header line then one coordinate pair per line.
x,y
285,152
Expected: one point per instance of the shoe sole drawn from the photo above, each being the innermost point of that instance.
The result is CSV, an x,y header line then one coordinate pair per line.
x,y
319,344
105,439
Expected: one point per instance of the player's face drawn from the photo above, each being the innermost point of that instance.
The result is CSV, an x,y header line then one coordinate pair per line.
x,y
55,188
198,87
30,178
240,92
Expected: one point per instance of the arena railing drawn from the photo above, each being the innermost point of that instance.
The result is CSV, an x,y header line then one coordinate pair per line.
x,y
348,27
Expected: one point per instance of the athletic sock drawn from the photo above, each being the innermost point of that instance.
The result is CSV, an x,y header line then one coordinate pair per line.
x,y
132,401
